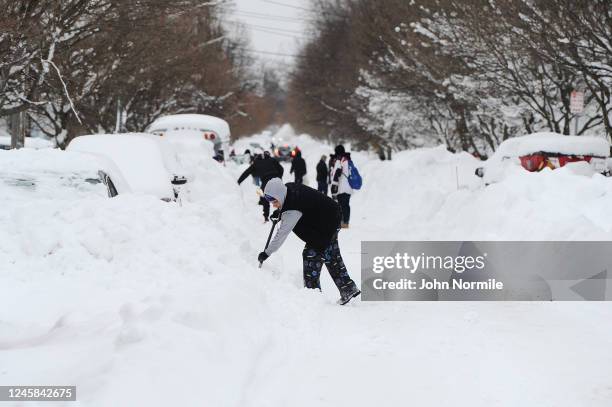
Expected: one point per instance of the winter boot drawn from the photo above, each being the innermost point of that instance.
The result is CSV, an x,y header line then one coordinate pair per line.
x,y
348,292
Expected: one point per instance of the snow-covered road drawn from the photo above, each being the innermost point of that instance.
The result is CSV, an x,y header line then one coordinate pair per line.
x,y
138,302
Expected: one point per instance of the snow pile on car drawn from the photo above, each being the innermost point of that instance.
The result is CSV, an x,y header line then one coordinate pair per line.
x,y
554,143
175,123
536,151
135,158
32,175
194,129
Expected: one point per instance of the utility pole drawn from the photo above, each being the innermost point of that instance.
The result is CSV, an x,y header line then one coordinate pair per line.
x,y
119,121
13,127
576,124
18,128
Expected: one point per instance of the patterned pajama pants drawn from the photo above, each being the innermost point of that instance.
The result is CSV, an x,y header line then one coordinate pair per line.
x,y
331,257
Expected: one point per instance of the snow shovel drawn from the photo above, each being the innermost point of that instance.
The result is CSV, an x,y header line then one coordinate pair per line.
x,y
274,222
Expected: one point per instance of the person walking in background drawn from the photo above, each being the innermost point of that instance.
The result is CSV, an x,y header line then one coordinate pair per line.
x,y
330,166
298,167
340,188
322,175
249,157
264,168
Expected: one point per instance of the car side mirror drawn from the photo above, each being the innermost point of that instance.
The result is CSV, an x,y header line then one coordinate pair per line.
x,y
110,186
479,172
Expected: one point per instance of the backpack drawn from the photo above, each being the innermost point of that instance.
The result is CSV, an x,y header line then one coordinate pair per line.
x,y
354,179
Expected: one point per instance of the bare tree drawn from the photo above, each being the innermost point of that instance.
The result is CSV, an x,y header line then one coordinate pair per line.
x,y
470,73
72,65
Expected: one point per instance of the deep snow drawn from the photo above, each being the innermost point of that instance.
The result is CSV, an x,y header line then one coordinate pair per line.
x,y
139,302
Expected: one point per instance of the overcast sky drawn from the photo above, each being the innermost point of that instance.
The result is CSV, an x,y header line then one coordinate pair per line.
x,y
275,26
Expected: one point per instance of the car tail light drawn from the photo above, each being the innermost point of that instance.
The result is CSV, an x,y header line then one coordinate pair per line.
x,y
533,162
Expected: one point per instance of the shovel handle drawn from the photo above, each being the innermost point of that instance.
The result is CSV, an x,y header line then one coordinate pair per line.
x,y
274,222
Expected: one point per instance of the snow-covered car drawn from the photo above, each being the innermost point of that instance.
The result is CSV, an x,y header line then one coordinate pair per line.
x,y
132,163
194,127
537,151
49,174
283,152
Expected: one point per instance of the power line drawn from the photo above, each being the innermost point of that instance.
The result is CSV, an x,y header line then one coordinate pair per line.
x,y
287,5
266,16
270,17
310,11
255,51
299,37
280,54
263,26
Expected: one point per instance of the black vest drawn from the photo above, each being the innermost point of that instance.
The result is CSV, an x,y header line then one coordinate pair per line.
x,y
320,215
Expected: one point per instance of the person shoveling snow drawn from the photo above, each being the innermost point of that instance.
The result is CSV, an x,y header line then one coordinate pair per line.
x,y
314,218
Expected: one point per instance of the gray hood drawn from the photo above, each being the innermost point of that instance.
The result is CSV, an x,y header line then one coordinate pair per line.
x,y
276,189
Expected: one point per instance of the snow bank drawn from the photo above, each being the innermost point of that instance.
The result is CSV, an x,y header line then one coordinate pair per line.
x,y
430,194
132,291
